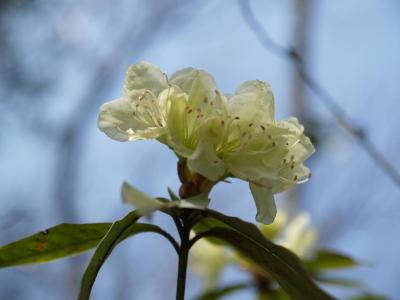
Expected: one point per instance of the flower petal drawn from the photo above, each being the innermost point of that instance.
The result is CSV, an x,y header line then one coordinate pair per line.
x,y
146,134
265,203
247,167
300,236
197,84
208,260
144,76
299,144
184,79
117,121
204,161
116,118
253,102
176,119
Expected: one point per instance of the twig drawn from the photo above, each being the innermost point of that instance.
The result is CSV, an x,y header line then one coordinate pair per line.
x,y
323,94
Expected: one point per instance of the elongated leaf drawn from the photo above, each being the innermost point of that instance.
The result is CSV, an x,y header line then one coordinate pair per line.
x,y
63,240
368,297
172,195
278,294
120,230
222,292
279,262
53,243
107,244
140,227
326,260
342,282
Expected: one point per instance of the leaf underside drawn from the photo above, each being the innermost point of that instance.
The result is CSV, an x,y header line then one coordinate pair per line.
x,y
53,243
280,263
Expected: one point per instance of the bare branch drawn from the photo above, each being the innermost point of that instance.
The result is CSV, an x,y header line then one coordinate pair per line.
x,y
323,94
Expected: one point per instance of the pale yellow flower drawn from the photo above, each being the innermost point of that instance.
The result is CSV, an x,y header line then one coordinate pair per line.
x,y
216,135
300,236
207,260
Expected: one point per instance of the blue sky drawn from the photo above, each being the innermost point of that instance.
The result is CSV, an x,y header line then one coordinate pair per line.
x,y
353,51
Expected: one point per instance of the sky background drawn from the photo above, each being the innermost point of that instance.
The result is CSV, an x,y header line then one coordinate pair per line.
x,y
60,60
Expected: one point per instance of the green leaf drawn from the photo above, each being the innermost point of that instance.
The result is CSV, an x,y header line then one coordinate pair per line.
x,y
119,231
368,297
172,195
342,282
327,260
207,223
280,263
278,294
218,293
277,261
63,240
53,243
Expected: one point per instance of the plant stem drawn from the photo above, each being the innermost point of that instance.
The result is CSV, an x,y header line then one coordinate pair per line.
x,y
182,265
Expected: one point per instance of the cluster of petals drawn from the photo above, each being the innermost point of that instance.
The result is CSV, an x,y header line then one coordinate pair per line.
x,y
217,135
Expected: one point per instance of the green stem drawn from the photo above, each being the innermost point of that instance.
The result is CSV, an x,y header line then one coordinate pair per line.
x,y
182,264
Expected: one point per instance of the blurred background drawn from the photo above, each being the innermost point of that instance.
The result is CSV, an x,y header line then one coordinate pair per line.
x,y
60,60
